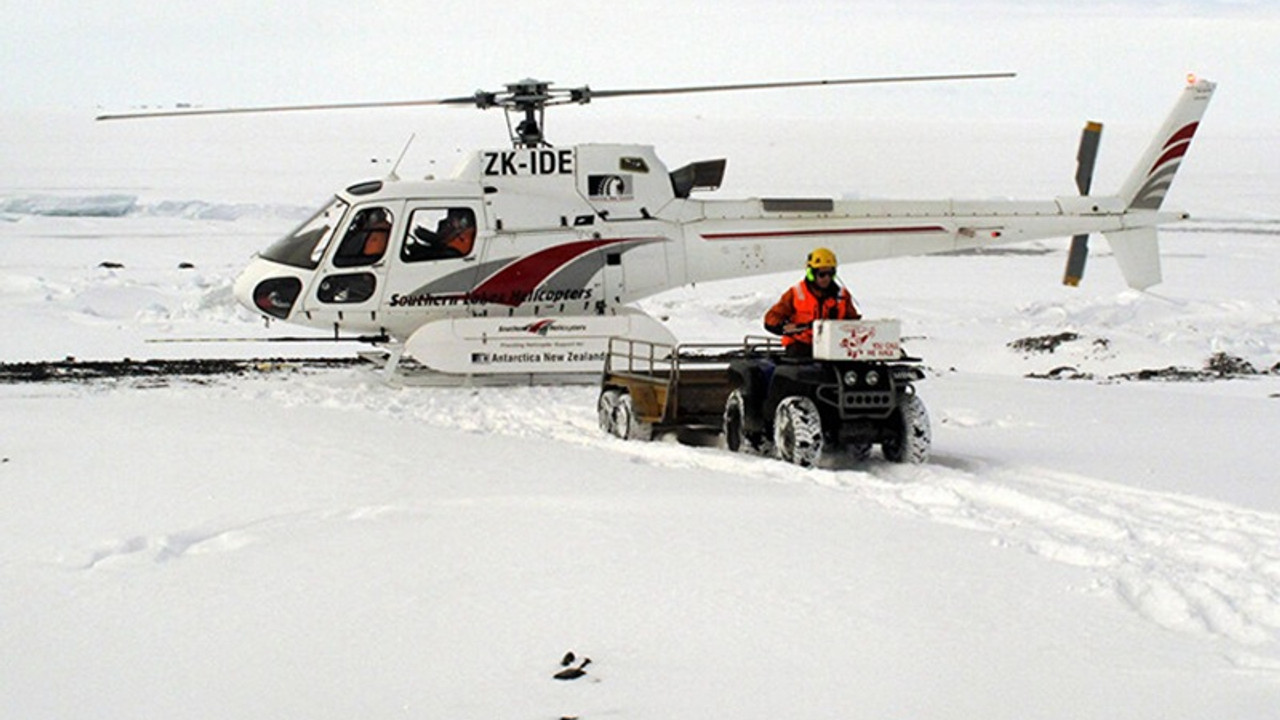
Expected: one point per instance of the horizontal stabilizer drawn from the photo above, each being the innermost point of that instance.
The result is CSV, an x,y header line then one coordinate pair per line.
x,y
1138,253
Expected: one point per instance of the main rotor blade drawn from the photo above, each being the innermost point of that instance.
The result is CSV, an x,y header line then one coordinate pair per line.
x,y
469,100
512,98
589,94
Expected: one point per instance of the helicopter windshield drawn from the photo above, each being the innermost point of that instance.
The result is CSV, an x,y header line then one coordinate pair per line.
x,y
306,245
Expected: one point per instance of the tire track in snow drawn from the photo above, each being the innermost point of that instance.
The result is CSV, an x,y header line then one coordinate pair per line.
x,y
1185,563
163,547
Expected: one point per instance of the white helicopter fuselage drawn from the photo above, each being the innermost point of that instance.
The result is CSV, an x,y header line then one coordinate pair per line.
x,y
584,231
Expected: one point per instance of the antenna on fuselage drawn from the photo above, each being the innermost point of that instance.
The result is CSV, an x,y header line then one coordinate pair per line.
x,y
392,175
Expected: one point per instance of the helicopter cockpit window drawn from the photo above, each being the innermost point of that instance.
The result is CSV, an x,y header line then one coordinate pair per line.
x,y
347,288
306,245
439,234
366,240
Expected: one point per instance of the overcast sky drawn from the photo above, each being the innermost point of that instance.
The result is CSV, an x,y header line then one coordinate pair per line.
x,y
1111,58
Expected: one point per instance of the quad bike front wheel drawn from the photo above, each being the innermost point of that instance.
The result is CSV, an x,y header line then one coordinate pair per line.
x,y
797,431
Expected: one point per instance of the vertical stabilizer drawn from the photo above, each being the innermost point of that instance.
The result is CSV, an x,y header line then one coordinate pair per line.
x,y
1150,180
1138,254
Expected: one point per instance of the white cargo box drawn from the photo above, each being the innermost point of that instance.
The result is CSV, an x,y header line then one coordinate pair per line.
x,y
857,340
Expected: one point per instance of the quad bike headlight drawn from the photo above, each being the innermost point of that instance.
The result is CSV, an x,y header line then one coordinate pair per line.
x,y
850,377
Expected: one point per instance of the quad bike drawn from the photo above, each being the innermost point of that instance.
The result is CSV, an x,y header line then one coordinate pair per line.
x,y
855,393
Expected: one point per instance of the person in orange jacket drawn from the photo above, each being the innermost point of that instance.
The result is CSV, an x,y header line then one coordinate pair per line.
x,y
378,226
817,297
457,232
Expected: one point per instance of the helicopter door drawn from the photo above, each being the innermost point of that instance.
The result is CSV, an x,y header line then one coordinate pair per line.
x,y
435,264
539,272
611,277
349,283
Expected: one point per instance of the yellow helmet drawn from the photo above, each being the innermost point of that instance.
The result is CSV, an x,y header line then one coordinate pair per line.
x,y
821,258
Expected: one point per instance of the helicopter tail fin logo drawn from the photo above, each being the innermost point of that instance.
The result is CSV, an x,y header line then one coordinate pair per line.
x,y
1151,178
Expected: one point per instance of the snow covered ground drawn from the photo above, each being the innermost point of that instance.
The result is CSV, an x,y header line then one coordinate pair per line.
x,y
321,544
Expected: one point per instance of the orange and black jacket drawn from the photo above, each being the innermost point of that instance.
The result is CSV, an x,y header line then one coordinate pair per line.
x,y
802,304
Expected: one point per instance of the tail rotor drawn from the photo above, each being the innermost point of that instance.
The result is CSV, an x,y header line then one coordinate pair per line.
x,y
1085,157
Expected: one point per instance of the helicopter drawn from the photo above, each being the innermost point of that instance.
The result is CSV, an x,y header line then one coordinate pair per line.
x,y
528,259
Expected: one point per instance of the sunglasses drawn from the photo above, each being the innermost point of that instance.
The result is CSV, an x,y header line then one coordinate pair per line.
x,y
824,273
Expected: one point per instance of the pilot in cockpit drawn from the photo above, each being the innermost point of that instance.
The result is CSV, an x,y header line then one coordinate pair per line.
x,y
456,232
378,233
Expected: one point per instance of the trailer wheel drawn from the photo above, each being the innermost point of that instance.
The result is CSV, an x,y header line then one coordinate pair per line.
x,y
797,431
607,410
911,433
625,423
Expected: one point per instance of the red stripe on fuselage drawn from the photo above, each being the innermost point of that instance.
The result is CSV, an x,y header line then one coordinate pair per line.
x,y
517,280
825,232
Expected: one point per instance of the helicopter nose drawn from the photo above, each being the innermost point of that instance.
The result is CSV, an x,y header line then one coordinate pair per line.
x,y
268,288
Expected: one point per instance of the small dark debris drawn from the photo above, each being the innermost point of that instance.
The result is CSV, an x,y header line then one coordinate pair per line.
x,y
1043,343
186,266
573,673
108,264
568,659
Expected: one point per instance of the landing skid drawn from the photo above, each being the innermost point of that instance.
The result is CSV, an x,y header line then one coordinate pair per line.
x,y
407,372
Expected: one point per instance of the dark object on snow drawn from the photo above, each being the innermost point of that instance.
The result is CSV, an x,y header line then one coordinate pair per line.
x,y
1042,343
1229,365
70,370
1064,372
1219,366
568,659
186,266
573,673
110,265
